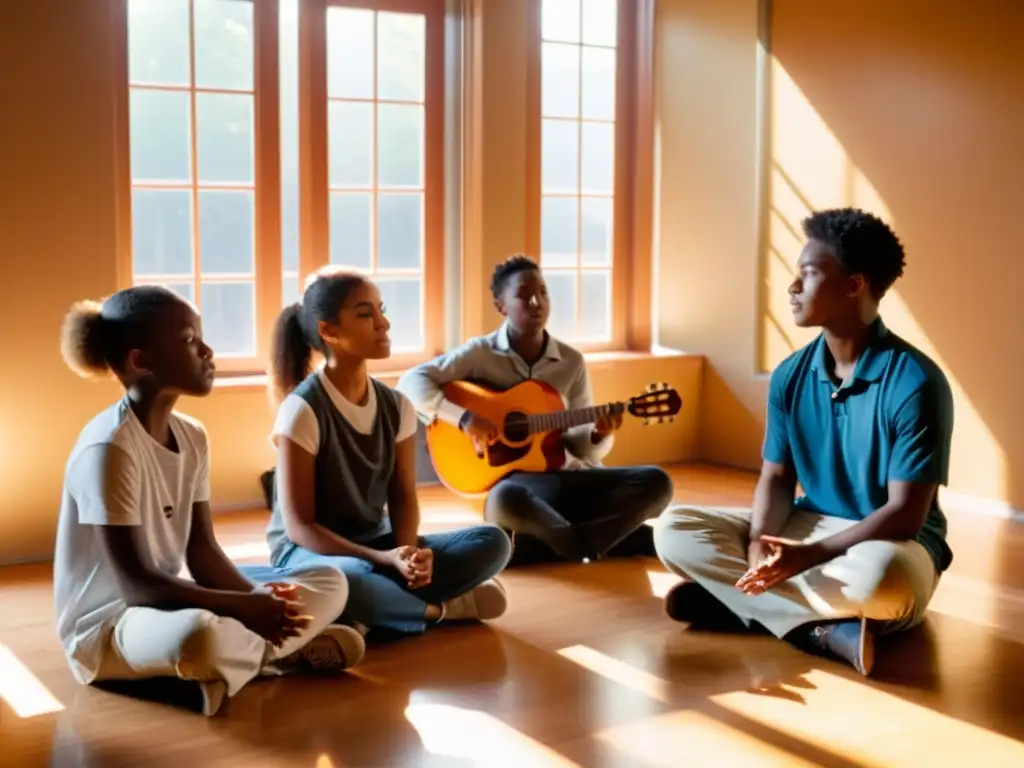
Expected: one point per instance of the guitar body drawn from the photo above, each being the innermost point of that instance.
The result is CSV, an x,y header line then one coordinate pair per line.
x,y
452,452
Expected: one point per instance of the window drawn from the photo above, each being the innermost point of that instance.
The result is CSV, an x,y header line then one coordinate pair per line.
x,y
271,137
583,151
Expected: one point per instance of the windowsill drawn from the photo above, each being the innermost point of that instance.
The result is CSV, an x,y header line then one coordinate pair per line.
x,y
258,381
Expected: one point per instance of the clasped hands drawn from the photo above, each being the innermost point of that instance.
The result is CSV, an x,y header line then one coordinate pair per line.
x,y
773,560
414,564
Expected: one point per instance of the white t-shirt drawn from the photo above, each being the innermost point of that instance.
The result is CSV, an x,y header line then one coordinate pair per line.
x,y
296,420
118,474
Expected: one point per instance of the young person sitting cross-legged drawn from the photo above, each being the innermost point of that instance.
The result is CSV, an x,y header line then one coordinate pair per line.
x,y
583,511
345,493
863,422
136,508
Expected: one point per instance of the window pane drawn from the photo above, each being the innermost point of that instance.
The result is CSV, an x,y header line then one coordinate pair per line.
x,y
224,44
182,289
349,53
559,231
598,170
596,232
158,42
596,302
229,318
161,232
290,290
559,156
404,306
225,141
159,136
600,22
350,143
599,83
399,231
289,65
226,232
560,20
400,147
560,80
562,290
350,229
401,56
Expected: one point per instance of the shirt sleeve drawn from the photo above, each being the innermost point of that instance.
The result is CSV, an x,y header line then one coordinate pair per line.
x,y
105,484
296,421
923,433
408,421
776,448
581,395
202,486
422,384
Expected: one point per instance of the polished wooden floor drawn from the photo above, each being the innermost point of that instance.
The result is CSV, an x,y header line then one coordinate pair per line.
x,y
583,670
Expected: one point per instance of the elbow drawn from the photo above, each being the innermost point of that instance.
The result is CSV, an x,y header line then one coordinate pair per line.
x,y
302,533
144,590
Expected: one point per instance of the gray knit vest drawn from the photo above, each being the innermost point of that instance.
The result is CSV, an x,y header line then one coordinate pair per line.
x,y
352,470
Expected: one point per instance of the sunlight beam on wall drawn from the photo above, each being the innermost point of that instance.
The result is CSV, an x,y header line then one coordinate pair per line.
x,y
811,170
22,690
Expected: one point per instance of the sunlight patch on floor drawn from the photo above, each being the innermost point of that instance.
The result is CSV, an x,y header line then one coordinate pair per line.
x,y
469,734
873,727
693,738
617,671
22,690
661,582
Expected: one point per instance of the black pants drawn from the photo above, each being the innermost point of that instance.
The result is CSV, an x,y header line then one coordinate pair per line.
x,y
577,514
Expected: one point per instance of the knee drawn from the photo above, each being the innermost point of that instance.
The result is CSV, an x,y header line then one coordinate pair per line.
x,y
198,652
505,498
493,547
658,489
886,588
677,531
331,585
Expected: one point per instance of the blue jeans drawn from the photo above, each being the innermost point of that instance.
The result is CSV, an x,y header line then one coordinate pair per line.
x,y
380,599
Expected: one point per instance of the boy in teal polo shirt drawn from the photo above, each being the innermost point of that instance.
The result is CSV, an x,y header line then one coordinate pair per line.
x,y
863,422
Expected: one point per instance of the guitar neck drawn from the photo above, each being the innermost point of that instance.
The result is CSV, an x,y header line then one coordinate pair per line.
x,y
562,420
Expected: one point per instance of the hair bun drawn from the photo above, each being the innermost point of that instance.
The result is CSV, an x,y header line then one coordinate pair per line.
x,y
82,342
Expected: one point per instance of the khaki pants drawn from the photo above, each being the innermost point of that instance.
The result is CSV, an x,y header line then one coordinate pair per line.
x,y
195,644
888,582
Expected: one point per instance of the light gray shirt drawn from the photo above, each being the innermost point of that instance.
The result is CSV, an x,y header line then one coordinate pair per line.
x,y
490,360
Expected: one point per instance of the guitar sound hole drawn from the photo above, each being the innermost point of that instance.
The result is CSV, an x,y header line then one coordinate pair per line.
x,y
516,428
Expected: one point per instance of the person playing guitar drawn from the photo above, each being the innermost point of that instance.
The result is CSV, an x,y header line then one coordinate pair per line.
x,y
583,511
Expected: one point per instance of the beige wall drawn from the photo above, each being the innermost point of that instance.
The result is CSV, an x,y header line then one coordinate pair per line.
x,y
910,109
57,226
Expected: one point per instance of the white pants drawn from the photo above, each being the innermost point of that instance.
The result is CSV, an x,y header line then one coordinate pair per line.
x,y
888,582
195,644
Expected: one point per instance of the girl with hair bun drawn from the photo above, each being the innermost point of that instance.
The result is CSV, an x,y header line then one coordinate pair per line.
x,y
136,508
345,493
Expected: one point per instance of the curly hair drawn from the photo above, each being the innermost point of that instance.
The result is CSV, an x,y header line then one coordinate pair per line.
x,y
863,244
516,263
96,337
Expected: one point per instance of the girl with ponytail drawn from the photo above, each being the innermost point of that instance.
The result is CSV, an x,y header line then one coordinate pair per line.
x,y
136,508
345,481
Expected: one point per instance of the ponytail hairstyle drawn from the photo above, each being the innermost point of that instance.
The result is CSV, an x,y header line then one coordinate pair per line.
x,y
297,333
96,338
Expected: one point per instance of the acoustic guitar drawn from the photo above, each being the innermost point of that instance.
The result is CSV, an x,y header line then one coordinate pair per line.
x,y
530,418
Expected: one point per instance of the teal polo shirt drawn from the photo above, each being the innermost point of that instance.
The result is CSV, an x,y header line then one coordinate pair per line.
x,y
892,421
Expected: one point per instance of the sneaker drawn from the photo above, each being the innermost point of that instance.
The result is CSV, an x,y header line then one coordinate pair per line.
x,y
213,692
331,652
850,641
689,602
485,602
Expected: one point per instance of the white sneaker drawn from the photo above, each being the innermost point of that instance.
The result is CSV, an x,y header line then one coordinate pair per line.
x,y
331,652
485,602
213,692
